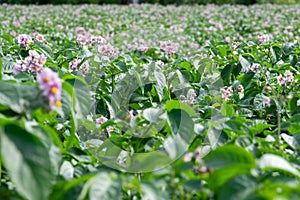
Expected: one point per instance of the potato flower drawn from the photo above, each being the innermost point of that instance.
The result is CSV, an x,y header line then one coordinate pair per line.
x,y
23,40
50,84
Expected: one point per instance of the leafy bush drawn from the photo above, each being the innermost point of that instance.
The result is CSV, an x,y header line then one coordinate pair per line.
x,y
149,102
278,1
164,2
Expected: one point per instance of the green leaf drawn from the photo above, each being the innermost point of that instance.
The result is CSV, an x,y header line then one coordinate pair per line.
x,y
220,176
182,128
104,186
274,162
19,97
241,187
82,95
186,65
66,108
160,84
259,103
294,129
152,114
223,51
291,140
1,65
227,110
47,138
288,47
276,53
69,189
228,155
45,49
244,62
8,38
246,78
67,170
85,53
207,70
27,161
226,73
259,126
7,65
175,104
152,192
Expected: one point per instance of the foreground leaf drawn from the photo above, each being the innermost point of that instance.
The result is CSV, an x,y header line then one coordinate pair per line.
x,y
271,161
27,161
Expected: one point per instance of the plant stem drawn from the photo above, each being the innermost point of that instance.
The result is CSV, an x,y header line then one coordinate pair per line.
x,y
139,175
112,83
173,186
278,122
0,172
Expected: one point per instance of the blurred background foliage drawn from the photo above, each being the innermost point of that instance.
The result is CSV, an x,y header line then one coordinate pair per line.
x,y
164,2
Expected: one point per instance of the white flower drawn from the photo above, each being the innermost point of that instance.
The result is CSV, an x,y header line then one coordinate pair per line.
x,y
281,80
226,92
289,76
267,101
241,91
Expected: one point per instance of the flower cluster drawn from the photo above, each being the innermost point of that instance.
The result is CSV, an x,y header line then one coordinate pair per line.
x,y
90,40
169,47
34,62
159,63
197,157
102,120
255,67
227,39
38,37
24,40
130,115
144,48
287,78
82,40
97,40
235,45
108,50
263,38
226,92
74,66
190,99
84,68
50,84
240,89
266,101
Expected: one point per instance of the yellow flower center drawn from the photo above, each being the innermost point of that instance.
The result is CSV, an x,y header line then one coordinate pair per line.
x,y
41,61
36,67
58,104
128,116
53,90
46,80
26,42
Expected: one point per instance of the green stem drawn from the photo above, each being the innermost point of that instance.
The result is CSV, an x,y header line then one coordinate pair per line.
x,y
139,175
173,184
278,123
112,83
0,171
